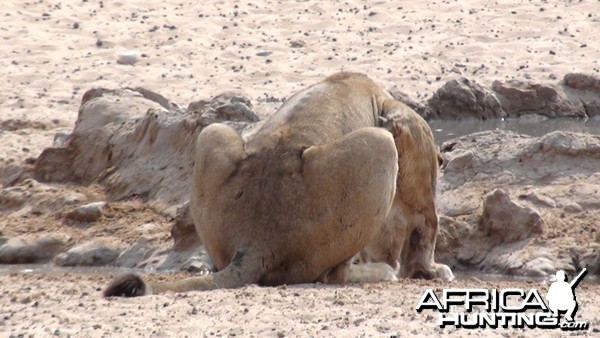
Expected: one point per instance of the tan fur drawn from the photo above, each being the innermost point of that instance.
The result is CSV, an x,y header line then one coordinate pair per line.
x,y
318,184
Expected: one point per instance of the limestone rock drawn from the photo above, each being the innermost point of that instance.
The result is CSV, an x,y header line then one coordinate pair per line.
x,y
297,43
403,97
128,58
184,231
32,248
538,199
596,263
578,95
199,263
482,228
135,254
464,98
228,106
508,221
137,143
584,88
521,98
582,81
38,197
13,197
88,254
10,174
87,213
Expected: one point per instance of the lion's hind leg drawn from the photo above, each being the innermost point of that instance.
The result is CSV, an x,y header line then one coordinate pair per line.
x,y
414,216
351,184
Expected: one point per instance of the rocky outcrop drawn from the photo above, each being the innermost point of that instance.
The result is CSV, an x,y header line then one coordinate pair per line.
x,y
403,97
183,231
578,95
136,254
504,201
582,81
464,98
228,106
91,253
36,248
506,221
522,98
137,143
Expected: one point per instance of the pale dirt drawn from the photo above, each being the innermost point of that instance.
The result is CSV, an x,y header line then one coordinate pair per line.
x,y
71,304
49,57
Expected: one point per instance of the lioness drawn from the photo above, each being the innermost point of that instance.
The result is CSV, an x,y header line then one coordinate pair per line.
x,y
317,184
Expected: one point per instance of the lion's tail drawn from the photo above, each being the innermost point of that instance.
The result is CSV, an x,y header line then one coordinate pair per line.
x,y
243,269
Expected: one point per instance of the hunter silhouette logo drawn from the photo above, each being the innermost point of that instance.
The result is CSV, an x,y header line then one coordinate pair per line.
x,y
561,295
515,308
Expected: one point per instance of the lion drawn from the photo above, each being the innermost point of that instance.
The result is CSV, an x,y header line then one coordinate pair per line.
x,y
340,170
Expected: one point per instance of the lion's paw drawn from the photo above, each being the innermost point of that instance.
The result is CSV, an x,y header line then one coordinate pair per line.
x,y
371,273
443,271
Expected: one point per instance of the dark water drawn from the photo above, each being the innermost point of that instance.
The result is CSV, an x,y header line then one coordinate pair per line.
x,y
444,130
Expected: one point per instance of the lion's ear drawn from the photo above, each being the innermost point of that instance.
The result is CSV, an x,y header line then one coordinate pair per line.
x,y
219,149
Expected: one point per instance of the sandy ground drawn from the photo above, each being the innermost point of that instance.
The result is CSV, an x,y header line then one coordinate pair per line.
x,y
66,304
52,52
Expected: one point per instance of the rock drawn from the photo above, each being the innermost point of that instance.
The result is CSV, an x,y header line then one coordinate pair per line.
x,y
595,267
228,106
451,233
459,161
184,231
87,213
156,97
10,174
539,267
488,231
35,197
520,98
60,139
14,197
573,208
297,43
582,81
135,142
264,53
501,157
148,228
128,58
578,95
34,248
585,89
88,254
538,199
138,252
464,98
401,96
553,154
508,221
198,264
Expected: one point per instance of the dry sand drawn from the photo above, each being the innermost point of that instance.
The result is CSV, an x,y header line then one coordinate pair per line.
x,y
68,304
51,52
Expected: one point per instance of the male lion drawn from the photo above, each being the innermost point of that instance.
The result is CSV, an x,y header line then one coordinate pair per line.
x,y
317,184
